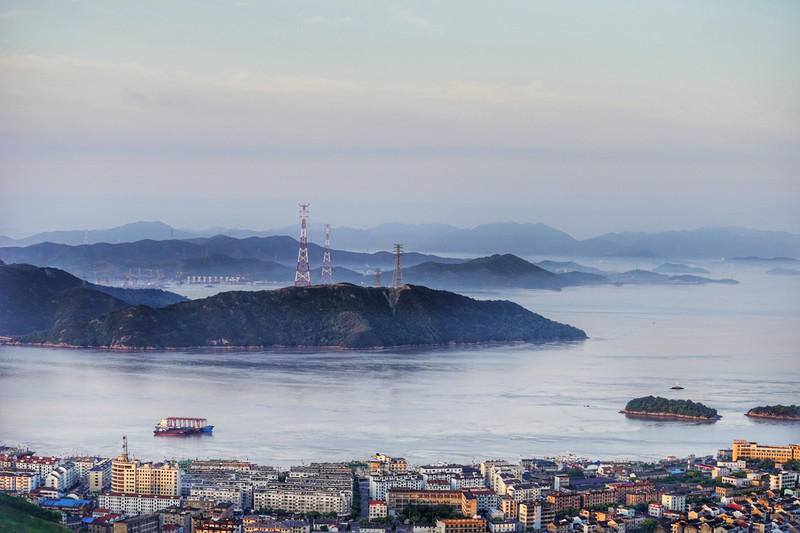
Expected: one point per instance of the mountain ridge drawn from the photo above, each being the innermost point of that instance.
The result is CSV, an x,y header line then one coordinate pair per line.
x,y
34,298
341,315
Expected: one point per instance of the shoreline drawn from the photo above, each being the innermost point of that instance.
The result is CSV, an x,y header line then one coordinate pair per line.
x,y
668,416
773,417
228,347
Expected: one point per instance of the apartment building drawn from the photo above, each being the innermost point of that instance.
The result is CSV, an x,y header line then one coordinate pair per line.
x,y
743,449
380,485
21,482
565,500
99,476
533,516
130,476
783,480
463,501
674,502
220,494
378,509
467,480
62,477
383,464
301,500
461,525
135,504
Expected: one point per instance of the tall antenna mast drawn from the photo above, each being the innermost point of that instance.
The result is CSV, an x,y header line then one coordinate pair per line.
x,y
125,447
377,277
302,277
397,276
327,269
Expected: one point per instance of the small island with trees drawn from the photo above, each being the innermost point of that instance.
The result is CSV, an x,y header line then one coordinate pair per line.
x,y
776,412
663,408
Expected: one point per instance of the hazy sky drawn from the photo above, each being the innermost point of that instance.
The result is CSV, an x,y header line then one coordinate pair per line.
x,y
587,116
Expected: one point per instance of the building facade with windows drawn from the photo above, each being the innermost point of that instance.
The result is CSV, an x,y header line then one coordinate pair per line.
x,y
743,449
129,476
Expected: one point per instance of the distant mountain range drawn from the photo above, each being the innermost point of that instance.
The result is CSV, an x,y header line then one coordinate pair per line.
x,y
510,271
487,239
145,260
135,231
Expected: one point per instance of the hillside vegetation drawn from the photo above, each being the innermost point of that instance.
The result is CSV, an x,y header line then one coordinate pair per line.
x,y
341,315
656,405
20,516
35,298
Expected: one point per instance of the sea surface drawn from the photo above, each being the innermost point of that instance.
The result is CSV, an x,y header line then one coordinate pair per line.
x,y
731,347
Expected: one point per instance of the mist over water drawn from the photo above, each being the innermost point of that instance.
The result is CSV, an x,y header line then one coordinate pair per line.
x,y
731,347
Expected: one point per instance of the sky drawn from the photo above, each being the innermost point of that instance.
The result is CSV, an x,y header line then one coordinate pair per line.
x,y
587,116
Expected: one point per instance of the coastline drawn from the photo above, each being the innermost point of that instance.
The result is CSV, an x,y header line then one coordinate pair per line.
x,y
668,416
229,347
773,417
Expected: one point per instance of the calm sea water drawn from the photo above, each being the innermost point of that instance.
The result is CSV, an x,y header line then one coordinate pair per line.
x,y
731,347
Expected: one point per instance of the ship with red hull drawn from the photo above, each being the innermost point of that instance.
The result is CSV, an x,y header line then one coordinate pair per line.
x,y
180,427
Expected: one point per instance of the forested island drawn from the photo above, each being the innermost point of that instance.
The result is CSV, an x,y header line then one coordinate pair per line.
x,y
658,407
776,412
341,316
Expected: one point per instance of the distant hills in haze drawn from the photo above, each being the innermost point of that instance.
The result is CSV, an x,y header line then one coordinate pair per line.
x,y
486,239
510,271
135,231
266,258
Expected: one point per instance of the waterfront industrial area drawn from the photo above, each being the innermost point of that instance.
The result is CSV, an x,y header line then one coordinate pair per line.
x,y
747,488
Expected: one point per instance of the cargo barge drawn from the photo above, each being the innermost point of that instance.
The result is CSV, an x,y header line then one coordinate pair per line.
x,y
180,426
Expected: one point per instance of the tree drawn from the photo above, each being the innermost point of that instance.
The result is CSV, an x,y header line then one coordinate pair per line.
x,y
767,464
649,524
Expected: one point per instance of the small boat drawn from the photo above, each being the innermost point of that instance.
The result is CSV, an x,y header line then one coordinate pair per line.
x,y
180,427
676,387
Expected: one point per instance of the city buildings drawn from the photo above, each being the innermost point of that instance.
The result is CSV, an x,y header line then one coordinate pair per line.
x,y
215,495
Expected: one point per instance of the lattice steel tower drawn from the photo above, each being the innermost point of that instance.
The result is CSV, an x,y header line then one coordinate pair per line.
x,y
327,269
377,277
302,277
397,276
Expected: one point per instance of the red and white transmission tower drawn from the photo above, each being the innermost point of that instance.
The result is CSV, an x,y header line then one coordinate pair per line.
x,y
327,269
302,277
397,276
